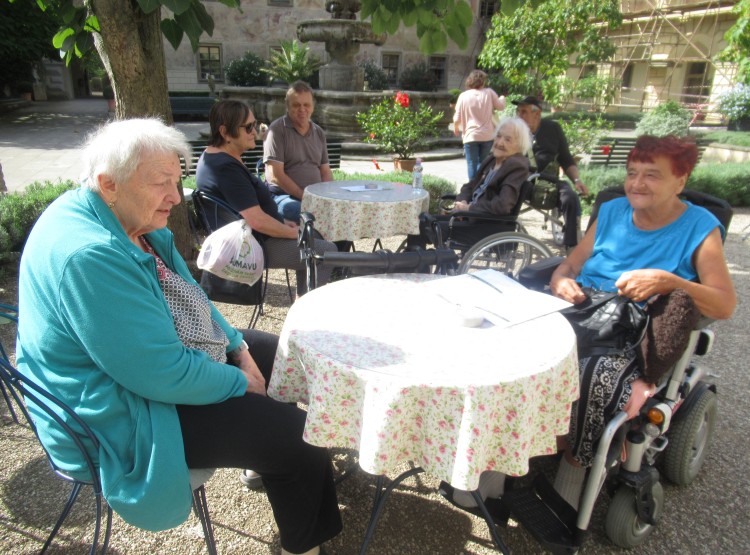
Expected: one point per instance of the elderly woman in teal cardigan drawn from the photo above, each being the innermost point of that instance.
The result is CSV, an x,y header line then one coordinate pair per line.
x,y
113,323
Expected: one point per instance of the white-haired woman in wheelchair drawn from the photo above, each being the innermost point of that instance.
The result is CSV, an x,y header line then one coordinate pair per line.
x,y
494,189
645,246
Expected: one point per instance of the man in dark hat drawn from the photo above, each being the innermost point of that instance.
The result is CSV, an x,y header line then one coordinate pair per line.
x,y
551,152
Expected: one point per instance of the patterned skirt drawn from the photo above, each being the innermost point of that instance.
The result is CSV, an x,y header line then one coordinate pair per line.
x,y
604,391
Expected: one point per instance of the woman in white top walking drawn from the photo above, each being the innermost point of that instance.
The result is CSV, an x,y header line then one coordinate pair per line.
x,y
473,119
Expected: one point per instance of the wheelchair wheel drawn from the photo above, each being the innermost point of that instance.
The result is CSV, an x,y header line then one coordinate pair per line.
x,y
624,527
689,436
507,252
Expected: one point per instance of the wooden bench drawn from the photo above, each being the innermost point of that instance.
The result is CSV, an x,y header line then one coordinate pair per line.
x,y
251,157
191,105
614,151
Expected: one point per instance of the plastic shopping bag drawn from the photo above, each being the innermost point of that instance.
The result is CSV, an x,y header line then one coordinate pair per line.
x,y
231,252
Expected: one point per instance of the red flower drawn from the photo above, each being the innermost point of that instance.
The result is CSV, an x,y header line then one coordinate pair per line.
x,y
377,166
606,149
403,99
372,135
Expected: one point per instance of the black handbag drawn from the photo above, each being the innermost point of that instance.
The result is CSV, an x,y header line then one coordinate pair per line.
x,y
606,323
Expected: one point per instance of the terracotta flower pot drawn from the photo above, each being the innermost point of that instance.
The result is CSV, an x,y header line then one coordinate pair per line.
x,y
404,164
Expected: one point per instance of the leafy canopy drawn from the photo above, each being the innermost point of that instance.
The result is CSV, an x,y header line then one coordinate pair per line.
x,y
77,22
738,42
536,41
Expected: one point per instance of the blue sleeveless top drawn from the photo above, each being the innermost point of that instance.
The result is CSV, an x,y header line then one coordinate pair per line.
x,y
619,246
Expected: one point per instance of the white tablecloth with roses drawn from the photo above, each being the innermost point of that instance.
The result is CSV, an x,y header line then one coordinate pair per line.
x,y
386,368
383,210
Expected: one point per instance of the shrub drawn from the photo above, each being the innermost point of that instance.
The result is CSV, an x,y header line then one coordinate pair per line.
x,y
435,186
246,71
293,62
666,119
583,133
418,77
20,211
736,138
375,77
734,104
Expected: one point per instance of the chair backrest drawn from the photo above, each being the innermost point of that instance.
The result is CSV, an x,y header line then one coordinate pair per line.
x,y
215,213
718,207
67,423
8,314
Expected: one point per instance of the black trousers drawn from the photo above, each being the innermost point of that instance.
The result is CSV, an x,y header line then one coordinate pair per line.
x,y
265,435
570,207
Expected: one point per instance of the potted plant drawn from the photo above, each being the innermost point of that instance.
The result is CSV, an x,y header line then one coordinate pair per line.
x,y
396,127
734,104
292,63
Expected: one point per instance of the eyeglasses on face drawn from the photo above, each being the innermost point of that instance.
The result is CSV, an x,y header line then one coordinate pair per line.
x,y
250,127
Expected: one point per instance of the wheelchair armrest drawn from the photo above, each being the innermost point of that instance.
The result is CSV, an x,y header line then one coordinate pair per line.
x,y
537,276
481,216
306,238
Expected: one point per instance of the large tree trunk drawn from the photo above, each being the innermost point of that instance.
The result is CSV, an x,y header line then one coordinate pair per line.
x,y
132,51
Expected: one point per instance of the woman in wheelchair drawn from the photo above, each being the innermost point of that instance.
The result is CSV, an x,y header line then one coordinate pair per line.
x,y
221,173
653,248
494,190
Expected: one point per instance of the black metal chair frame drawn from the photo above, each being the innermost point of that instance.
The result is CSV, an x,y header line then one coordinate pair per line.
x,y
10,314
203,202
379,261
65,417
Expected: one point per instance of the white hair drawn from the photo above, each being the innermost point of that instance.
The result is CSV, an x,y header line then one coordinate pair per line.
x,y
116,148
520,129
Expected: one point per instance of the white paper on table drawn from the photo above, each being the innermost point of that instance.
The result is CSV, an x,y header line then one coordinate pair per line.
x,y
361,188
502,300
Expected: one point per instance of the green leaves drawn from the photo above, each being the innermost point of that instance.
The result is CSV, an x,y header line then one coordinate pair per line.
x,y
435,20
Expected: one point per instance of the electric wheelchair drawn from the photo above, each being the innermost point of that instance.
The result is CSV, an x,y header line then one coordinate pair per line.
x,y
670,436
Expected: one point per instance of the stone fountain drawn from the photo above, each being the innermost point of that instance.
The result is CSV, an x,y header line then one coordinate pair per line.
x,y
342,36
341,95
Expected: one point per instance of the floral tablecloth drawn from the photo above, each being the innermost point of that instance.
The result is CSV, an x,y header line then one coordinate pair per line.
x,y
386,368
386,210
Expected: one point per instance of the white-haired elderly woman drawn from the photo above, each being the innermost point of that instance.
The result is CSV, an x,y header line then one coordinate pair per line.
x,y
114,325
493,190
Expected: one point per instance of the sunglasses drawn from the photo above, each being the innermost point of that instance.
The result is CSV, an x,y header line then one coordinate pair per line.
x,y
251,126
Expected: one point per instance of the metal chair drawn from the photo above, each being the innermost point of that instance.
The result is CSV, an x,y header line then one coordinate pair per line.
x,y
214,213
8,314
66,420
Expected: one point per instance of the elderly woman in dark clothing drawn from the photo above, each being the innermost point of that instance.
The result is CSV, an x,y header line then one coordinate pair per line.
x,y
494,189
221,173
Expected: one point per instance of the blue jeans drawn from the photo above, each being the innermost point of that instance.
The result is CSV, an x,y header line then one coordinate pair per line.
x,y
475,152
289,207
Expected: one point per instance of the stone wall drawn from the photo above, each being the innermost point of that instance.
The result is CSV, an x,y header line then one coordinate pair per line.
x,y
716,152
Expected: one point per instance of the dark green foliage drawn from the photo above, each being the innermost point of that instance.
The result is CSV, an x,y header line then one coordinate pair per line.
x,y
436,186
374,75
25,38
246,71
418,77
20,211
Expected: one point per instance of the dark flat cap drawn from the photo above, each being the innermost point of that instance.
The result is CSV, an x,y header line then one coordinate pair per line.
x,y
534,101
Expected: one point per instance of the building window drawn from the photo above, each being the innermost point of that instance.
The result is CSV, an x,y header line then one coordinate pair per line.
x,y
697,83
437,66
209,62
389,63
488,8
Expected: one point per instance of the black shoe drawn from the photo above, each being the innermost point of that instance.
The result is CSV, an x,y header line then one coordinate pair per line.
x,y
497,510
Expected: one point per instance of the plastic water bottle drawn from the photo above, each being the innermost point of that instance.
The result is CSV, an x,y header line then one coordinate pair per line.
x,y
416,180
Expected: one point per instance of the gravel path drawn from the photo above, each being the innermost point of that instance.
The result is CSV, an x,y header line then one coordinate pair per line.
x,y
710,516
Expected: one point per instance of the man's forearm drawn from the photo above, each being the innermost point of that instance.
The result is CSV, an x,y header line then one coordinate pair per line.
x,y
281,179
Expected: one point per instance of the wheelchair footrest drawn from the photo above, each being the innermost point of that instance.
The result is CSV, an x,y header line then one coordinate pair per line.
x,y
546,516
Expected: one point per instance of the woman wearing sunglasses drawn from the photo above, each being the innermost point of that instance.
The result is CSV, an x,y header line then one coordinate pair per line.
x,y
221,173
